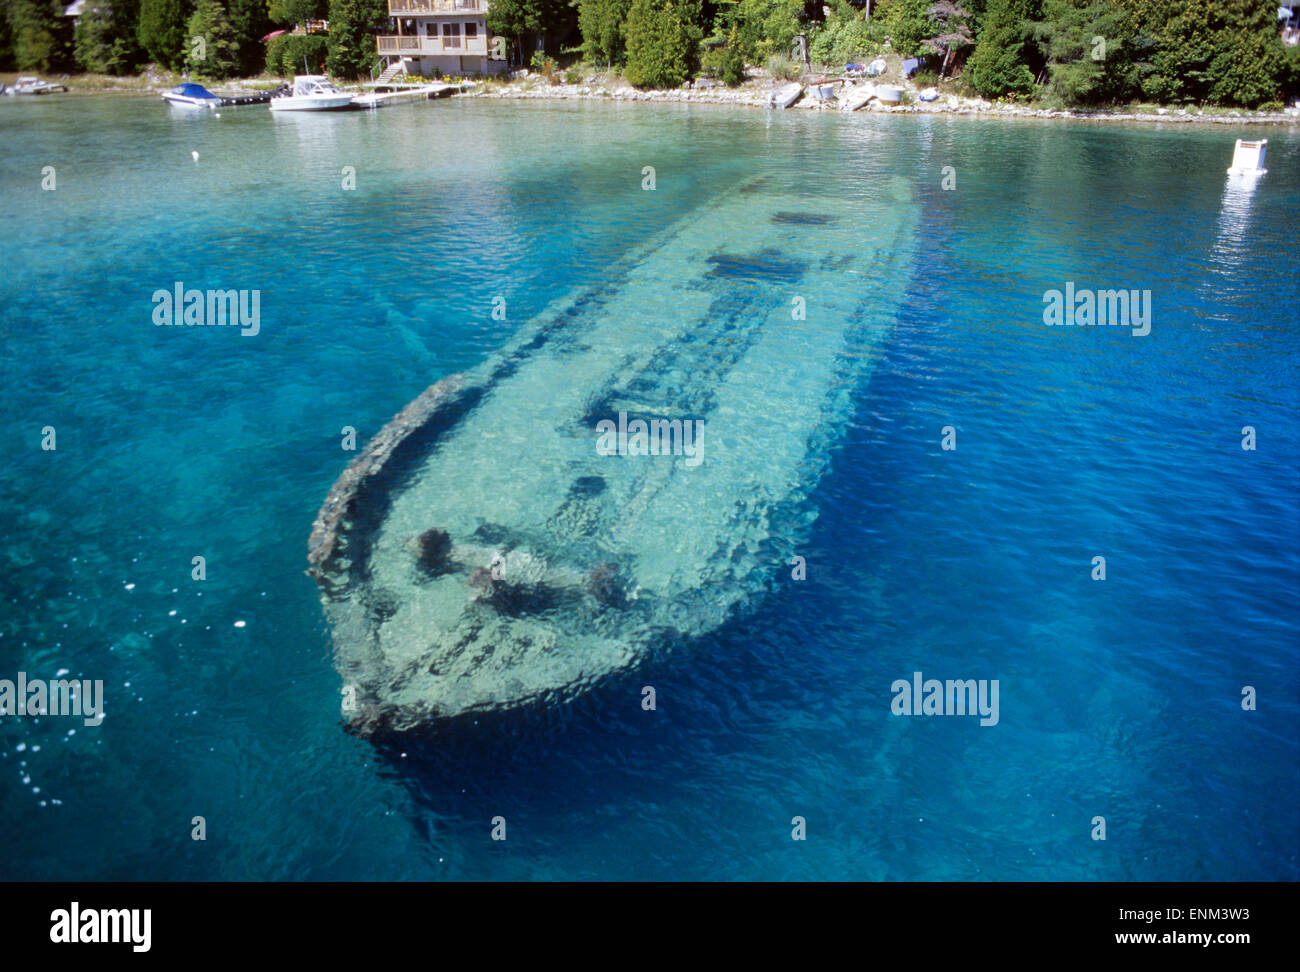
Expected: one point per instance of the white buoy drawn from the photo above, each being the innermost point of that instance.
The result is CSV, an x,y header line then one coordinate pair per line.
x,y
194,156
1248,158
217,114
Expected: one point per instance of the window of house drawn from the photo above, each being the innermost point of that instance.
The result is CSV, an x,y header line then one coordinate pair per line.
x,y
451,35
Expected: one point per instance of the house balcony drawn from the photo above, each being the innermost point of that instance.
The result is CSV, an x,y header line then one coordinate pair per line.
x,y
416,45
427,8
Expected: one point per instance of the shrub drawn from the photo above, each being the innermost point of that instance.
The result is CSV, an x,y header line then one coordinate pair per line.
x,y
784,68
733,62
836,41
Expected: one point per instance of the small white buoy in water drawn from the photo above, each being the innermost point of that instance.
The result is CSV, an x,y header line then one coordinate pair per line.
x,y
217,114
194,156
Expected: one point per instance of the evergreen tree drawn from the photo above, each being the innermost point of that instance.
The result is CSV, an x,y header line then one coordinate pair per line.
x,y
34,27
288,13
733,61
250,21
907,23
1088,45
601,23
353,26
104,39
950,32
662,42
533,24
217,56
1215,50
161,30
1000,62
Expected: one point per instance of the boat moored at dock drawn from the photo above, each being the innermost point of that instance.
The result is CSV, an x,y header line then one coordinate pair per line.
x,y
312,92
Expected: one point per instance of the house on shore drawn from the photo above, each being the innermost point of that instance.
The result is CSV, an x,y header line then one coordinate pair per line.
x,y
447,37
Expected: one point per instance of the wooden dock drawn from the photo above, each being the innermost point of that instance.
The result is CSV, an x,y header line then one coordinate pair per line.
x,y
391,93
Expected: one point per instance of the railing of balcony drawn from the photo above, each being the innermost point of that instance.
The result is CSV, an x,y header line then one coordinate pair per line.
x,y
431,45
407,7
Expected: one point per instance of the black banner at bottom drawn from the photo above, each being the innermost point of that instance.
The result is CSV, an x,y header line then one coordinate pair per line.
x,y
339,921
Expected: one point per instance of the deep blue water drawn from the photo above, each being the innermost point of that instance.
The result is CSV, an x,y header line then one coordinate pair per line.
x,y
1118,698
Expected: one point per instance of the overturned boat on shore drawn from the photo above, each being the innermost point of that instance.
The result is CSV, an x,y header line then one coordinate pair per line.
x,y
629,472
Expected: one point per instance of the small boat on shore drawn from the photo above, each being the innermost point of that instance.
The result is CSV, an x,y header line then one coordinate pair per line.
x,y
889,95
857,97
929,94
785,96
34,86
312,92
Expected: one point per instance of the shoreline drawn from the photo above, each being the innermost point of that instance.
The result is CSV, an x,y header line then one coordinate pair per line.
x,y
752,94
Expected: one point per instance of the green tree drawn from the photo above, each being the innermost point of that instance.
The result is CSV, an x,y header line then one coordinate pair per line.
x,y
353,26
104,39
161,30
662,42
217,56
34,26
286,13
1215,50
733,61
907,23
533,24
601,23
1000,62
250,21
763,27
950,32
1088,45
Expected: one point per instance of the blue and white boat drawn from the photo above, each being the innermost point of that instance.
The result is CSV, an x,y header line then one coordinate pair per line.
x,y
192,95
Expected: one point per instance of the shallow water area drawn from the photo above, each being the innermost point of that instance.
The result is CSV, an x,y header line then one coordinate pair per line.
x,y
1119,698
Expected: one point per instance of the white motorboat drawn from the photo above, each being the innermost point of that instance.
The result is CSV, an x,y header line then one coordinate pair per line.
x,y
34,86
312,92
191,96
785,96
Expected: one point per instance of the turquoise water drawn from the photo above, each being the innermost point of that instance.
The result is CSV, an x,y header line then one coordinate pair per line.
x,y
1118,698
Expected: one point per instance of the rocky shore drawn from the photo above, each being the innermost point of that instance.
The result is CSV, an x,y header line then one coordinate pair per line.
x,y
754,94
